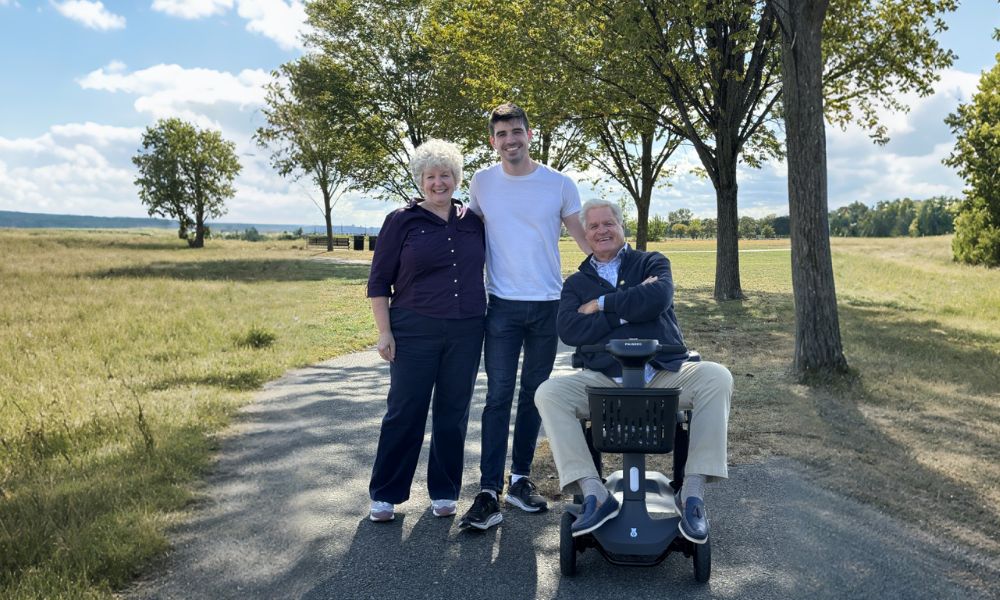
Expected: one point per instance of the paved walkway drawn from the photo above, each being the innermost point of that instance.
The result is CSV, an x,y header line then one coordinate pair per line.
x,y
284,515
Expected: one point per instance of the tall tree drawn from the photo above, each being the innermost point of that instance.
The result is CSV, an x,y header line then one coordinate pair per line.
x,y
187,174
976,126
312,119
480,51
383,47
818,348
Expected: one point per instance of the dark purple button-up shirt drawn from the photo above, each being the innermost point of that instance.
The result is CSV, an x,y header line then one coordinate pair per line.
x,y
430,266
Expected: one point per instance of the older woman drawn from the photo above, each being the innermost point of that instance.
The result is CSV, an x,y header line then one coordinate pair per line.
x,y
427,294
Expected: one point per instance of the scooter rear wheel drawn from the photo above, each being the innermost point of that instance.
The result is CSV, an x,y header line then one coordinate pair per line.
x,y
702,561
567,546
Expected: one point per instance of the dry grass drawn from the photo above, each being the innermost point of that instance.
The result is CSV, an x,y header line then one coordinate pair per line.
x,y
915,429
121,354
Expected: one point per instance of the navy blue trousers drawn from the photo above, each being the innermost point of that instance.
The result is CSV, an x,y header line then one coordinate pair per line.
x,y
510,326
436,360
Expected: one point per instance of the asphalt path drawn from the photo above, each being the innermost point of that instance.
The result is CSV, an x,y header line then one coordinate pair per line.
x,y
283,514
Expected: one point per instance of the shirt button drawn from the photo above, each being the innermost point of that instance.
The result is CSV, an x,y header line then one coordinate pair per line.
x,y
453,251
456,295
456,281
449,239
454,264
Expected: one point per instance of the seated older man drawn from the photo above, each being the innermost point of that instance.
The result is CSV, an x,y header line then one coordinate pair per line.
x,y
623,293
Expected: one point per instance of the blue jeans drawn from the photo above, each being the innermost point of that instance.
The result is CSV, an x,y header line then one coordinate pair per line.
x,y
511,324
436,359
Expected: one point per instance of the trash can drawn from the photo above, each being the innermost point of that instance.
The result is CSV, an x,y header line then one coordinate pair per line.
x,y
371,242
359,242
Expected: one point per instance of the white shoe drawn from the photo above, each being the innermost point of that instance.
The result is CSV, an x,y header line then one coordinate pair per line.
x,y
444,508
382,512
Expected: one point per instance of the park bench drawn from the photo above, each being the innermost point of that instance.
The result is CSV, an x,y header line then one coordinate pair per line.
x,y
338,242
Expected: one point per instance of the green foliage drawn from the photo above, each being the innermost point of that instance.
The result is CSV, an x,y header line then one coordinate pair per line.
x,y
386,52
187,174
255,337
875,52
748,228
312,115
977,235
658,228
895,218
976,126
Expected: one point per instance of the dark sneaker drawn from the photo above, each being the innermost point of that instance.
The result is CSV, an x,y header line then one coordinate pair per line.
x,y
524,495
694,518
593,516
485,513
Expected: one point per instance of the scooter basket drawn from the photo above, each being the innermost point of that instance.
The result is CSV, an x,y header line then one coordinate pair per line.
x,y
633,420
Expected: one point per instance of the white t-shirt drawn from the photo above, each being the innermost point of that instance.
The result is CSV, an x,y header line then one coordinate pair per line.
x,y
523,215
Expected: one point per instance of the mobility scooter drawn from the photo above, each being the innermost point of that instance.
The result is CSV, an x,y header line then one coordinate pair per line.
x,y
636,421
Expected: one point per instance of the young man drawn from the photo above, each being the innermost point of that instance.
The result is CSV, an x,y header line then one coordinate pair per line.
x,y
523,204
621,293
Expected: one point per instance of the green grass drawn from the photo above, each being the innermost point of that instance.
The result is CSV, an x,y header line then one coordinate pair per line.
x,y
120,355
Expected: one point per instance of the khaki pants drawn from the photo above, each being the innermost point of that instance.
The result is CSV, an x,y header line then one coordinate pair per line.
x,y
706,389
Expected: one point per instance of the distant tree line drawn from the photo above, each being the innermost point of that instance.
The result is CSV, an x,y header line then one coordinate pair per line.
x,y
682,223
888,218
895,218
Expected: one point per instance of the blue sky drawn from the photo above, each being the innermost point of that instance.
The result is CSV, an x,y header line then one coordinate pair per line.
x,y
84,78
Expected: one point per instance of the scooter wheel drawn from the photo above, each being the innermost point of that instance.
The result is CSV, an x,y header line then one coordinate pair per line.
x,y
702,561
567,546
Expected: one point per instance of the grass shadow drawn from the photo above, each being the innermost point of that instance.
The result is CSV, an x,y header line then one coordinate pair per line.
x,y
239,270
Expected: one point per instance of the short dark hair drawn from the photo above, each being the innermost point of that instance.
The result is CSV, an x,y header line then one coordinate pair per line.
x,y
507,112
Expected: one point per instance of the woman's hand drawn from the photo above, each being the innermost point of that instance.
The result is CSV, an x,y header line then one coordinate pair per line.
x,y
387,346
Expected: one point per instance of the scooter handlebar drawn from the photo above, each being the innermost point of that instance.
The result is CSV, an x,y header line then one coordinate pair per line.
x,y
632,347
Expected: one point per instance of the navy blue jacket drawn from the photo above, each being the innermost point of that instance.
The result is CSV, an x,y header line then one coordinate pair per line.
x,y
648,310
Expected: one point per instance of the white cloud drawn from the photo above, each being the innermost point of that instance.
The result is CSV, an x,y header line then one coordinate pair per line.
x,y
73,168
90,14
192,9
173,91
278,20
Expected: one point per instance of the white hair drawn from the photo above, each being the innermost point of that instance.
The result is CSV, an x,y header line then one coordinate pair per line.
x,y
436,153
592,204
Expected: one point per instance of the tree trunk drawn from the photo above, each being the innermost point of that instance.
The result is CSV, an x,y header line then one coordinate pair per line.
x,y
818,347
727,236
646,182
327,210
641,221
199,230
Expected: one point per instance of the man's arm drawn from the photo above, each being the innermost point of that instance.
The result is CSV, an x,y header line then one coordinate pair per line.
x,y
644,302
575,229
576,328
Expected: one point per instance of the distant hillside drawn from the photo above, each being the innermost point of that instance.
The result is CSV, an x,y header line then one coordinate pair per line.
x,y
40,220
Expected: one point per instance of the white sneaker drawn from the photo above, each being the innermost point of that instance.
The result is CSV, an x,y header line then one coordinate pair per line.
x,y
444,508
382,512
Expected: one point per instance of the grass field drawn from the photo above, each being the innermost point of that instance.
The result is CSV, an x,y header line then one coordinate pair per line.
x,y
123,353
120,355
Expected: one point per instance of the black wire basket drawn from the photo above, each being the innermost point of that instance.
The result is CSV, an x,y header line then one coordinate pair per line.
x,y
633,420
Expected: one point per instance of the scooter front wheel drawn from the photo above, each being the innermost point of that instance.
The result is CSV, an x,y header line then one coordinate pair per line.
x,y
702,561
567,546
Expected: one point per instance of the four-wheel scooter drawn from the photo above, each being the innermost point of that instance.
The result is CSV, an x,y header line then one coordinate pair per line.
x,y
635,420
